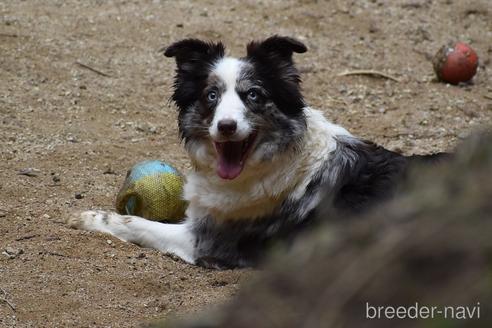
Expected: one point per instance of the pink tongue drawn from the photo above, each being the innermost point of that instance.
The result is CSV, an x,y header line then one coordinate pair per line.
x,y
228,170
229,160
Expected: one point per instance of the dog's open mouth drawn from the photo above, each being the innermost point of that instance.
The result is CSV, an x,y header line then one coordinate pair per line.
x,y
231,156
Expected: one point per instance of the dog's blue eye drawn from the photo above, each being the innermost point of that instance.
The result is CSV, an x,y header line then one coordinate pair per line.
x,y
212,96
253,95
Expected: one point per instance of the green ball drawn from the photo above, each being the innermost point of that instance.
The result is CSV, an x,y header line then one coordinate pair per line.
x,y
152,190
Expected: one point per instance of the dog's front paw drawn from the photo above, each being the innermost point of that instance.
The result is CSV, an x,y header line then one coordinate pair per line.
x,y
86,220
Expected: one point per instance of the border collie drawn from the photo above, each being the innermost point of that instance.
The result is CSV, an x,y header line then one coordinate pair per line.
x,y
263,160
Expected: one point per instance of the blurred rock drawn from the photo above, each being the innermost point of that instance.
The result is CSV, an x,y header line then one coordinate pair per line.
x,y
12,253
430,246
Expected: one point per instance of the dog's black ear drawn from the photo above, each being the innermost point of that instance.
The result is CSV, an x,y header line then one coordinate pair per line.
x,y
194,59
194,50
279,47
274,66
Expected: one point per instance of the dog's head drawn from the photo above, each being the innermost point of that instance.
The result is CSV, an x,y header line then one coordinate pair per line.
x,y
238,113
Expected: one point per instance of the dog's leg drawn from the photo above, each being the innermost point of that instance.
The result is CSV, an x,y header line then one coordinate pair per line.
x,y
176,239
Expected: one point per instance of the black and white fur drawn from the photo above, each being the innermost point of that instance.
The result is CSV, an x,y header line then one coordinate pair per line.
x,y
263,160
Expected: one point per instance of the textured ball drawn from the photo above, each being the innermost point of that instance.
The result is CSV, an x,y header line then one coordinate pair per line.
x,y
455,63
152,190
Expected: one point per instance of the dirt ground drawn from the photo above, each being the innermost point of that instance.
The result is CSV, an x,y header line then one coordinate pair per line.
x,y
80,130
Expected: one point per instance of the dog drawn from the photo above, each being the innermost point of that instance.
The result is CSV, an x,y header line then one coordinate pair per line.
x,y
263,160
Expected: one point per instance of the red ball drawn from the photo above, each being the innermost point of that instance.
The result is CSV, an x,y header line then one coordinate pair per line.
x,y
455,63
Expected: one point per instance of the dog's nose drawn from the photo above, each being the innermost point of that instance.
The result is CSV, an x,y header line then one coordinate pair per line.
x,y
227,127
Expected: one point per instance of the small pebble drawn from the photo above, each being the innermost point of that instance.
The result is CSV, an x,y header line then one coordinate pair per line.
x,y
463,135
30,172
109,170
72,139
79,195
12,252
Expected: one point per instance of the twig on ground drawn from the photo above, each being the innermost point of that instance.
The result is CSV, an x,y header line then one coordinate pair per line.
x,y
369,72
417,136
7,35
4,299
92,69
53,254
26,237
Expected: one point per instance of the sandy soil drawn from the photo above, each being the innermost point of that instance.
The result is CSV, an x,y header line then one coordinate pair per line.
x,y
81,130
